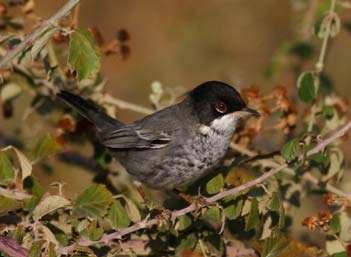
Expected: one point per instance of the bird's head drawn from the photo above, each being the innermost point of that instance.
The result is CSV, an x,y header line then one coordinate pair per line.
x,y
219,106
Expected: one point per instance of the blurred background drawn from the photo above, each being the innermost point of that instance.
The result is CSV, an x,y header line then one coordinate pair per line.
x,y
184,43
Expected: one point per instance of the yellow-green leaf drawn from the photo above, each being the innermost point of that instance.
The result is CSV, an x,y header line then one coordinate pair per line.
x,y
118,216
94,201
48,205
47,145
215,184
183,223
132,210
7,204
7,174
253,219
290,150
233,211
84,56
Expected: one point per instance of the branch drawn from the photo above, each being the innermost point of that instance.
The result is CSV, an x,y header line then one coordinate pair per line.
x,y
12,248
45,25
146,223
320,147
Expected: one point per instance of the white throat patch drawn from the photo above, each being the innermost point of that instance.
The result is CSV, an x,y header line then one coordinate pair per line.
x,y
223,125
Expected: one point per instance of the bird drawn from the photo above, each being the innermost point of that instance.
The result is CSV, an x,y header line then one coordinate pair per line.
x,y
173,147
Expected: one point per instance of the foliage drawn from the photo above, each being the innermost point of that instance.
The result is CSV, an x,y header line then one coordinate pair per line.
x,y
100,222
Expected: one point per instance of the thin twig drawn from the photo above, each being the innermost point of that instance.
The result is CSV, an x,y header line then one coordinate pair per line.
x,y
127,105
14,194
320,63
45,25
146,223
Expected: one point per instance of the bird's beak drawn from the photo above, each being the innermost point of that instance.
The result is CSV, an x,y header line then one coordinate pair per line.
x,y
252,112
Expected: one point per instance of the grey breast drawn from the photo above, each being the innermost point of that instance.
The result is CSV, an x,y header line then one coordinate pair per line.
x,y
187,157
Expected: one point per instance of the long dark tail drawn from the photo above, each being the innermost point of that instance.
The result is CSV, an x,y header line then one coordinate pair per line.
x,y
90,111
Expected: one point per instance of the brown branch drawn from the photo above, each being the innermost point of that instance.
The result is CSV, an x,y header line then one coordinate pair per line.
x,y
147,223
338,133
45,25
12,248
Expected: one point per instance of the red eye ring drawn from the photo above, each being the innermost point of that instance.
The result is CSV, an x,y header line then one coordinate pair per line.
x,y
221,107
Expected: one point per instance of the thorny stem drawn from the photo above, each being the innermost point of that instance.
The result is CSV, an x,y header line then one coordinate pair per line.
x,y
45,25
146,223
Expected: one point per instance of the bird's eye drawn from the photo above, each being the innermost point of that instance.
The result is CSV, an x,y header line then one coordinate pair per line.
x,y
221,107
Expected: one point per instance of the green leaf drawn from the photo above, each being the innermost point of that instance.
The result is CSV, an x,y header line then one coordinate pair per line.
x,y
290,150
274,246
335,225
183,223
308,85
32,185
215,184
7,174
275,203
233,211
84,56
93,202
7,204
118,216
187,243
35,250
320,159
93,232
213,215
47,145
253,219
341,254
328,112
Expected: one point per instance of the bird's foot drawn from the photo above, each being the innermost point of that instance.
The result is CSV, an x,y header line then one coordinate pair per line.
x,y
199,200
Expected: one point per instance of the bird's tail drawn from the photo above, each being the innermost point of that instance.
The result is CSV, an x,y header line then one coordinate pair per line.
x,y
90,111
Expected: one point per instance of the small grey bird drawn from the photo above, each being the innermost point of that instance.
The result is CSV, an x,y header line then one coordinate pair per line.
x,y
175,146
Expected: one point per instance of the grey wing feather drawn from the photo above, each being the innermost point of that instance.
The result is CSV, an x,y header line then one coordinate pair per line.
x,y
131,137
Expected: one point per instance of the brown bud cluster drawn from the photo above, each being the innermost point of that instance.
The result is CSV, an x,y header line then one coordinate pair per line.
x,y
67,124
118,45
276,101
318,222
